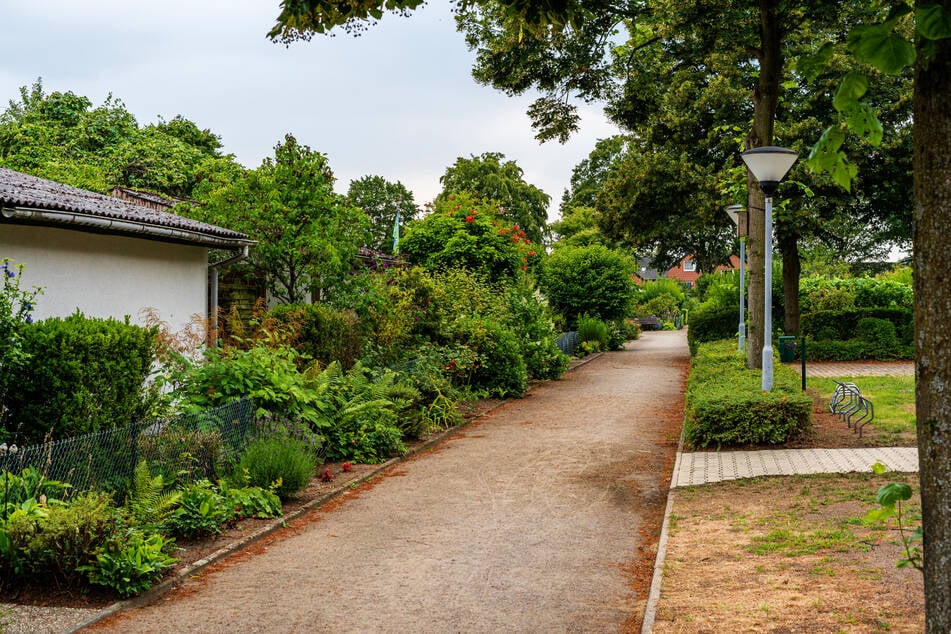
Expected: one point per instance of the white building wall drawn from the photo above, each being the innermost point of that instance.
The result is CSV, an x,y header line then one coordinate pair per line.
x,y
109,276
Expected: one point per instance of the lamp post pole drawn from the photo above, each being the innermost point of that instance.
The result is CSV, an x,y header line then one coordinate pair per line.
x,y
768,299
768,164
734,212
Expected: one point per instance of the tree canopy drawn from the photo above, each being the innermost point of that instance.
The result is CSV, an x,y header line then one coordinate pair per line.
x,y
381,200
307,236
492,178
62,137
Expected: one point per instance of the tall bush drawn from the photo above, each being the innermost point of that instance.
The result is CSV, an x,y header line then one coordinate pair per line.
x,y
85,374
711,324
322,333
591,280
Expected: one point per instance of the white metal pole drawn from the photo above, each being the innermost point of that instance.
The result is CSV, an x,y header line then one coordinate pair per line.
x,y
742,293
768,299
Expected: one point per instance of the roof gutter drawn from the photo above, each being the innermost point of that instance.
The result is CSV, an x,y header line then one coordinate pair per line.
x,y
99,223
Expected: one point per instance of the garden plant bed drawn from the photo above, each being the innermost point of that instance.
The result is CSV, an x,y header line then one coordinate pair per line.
x,y
35,609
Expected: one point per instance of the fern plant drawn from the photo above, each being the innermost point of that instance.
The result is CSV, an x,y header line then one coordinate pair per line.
x,y
149,504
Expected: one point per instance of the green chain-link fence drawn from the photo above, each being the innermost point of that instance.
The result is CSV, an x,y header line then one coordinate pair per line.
x,y
186,448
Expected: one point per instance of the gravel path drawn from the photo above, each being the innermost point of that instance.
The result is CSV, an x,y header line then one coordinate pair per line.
x,y
542,517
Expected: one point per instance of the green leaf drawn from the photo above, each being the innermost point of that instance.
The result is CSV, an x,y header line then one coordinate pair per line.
x,y
863,122
891,493
879,47
853,87
810,66
933,22
878,468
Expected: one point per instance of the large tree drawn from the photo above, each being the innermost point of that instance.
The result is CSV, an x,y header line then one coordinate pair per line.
x,y
383,201
931,55
63,137
307,236
492,178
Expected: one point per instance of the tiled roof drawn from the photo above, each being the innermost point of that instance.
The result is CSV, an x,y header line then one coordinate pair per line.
x,y
30,192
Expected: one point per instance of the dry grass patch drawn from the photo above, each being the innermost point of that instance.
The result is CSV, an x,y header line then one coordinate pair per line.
x,y
789,554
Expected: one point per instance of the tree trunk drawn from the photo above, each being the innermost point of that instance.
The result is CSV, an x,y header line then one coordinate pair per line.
x,y
932,219
792,267
765,103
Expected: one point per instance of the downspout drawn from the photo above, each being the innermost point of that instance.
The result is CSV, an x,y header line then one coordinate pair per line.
x,y
213,292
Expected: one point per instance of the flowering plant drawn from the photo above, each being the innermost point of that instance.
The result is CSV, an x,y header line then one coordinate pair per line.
x,y
466,232
16,309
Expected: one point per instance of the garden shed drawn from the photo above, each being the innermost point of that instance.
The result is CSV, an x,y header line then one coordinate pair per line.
x,y
108,257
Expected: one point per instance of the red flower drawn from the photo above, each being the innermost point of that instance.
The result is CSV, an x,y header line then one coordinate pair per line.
x,y
326,476
347,466
531,253
470,218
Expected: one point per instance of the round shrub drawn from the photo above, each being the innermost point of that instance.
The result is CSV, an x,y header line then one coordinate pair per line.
x,y
268,460
594,332
323,333
591,280
501,369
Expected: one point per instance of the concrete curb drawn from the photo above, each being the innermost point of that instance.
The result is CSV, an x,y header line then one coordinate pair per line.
x,y
653,595
157,591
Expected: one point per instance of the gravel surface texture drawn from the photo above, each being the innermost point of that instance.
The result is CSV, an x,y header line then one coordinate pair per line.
x,y
542,516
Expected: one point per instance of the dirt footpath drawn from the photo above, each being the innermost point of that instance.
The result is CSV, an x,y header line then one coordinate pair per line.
x,y
542,517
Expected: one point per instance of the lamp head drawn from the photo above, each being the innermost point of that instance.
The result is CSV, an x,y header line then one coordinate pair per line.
x,y
769,165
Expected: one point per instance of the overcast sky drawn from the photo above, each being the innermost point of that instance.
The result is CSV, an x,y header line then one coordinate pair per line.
x,y
398,101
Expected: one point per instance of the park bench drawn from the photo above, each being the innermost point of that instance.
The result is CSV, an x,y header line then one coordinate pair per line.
x,y
652,323
850,405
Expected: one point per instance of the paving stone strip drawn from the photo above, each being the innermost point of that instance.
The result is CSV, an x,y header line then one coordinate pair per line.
x,y
715,466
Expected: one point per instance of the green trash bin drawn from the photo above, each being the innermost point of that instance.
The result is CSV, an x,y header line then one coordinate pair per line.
x,y
787,348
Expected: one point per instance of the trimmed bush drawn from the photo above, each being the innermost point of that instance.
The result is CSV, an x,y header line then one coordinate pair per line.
x,y
863,333
725,404
323,333
278,459
591,280
711,325
85,374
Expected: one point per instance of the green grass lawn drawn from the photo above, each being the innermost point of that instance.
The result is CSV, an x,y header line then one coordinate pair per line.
x,y
892,396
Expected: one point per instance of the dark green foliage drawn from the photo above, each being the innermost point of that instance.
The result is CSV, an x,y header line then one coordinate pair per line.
x,y
203,511
726,406
184,455
280,462
469,233
131,564
859,333
501,369
30,483
592,280
531,321
86,374
711,325
365,409
323,334
52,541
268,374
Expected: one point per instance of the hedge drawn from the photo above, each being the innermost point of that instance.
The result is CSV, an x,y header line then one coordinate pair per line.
x,y
711,325
85,374
725,404
853,334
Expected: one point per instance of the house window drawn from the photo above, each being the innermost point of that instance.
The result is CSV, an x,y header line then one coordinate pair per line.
x,y
690,266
